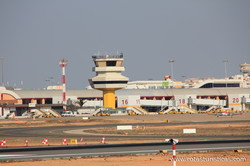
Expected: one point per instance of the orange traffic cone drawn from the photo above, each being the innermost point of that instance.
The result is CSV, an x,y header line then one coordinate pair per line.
x,y
103,140
4,142
64,141
81,140
26,142
45,141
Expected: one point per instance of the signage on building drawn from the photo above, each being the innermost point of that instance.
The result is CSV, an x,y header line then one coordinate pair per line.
x,y
128,101
32,104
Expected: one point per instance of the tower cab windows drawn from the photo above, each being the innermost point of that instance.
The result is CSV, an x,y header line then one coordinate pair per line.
x,y
116,63
111,63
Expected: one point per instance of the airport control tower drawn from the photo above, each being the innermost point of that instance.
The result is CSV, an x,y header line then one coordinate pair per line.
x,y
245,69
108,77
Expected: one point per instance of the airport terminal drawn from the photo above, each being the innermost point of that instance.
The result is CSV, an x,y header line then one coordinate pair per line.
x,y
112,92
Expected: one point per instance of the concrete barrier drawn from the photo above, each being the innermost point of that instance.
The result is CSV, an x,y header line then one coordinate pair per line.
x,y
189,131
85,118
124,127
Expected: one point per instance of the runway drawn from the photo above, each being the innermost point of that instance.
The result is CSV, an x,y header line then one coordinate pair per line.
x,y
112,149
116,149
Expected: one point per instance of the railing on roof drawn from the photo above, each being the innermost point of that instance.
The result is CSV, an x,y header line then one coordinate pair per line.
x,y
107,56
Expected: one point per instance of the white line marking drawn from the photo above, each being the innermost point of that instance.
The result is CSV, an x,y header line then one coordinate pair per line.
x,y
105,153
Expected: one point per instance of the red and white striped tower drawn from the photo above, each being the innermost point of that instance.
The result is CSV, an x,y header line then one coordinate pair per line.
x,y
63,64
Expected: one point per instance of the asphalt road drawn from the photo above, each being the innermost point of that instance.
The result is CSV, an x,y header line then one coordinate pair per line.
x,y
102,150
97,150
58,132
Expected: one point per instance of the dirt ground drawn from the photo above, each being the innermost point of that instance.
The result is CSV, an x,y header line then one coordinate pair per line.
x,y
151,160
232,129
167,118
148,160
201,130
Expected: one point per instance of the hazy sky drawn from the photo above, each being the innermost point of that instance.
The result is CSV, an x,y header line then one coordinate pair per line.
x,y
197,34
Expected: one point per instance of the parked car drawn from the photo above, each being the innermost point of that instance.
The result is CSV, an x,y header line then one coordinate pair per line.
x,y
68,114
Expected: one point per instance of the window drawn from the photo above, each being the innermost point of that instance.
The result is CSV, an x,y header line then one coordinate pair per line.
x,y
110,82
220,85
111,63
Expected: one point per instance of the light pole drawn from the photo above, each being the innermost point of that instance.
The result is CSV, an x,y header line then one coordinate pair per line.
x,y
172,68
243,103
2,76
225,65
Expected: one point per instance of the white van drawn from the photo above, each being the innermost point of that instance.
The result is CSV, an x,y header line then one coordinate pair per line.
x,y
68,114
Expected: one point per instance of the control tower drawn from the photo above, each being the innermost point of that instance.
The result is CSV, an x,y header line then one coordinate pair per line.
x,y
245,69
108,77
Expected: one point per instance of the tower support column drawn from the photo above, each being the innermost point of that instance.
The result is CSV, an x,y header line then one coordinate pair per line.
x,y
109,98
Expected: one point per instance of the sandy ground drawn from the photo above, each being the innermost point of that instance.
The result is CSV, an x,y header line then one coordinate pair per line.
x,y
148,160
214,129
201,130
241,130
151,160
167,118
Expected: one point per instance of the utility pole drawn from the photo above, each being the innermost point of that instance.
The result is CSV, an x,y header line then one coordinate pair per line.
x,y
172,68
2,72
225,65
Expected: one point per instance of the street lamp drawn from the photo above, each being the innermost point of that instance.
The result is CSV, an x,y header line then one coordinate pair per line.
x,y
243,103
2,76
225,65
172,68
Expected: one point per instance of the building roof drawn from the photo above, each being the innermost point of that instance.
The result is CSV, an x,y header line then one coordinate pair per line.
x,y
86,93
191,91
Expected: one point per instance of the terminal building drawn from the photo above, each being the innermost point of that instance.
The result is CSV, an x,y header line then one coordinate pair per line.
x,y
142,101
142,98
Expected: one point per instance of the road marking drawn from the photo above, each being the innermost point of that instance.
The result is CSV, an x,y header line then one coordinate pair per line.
x,y
31,156
71,155
12,156
9,155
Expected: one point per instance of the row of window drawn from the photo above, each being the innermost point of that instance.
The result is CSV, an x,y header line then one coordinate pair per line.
x,y
39,101
110,82
220,85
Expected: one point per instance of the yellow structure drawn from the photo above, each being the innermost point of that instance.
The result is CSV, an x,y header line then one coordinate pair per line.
x,y
108,77
108,98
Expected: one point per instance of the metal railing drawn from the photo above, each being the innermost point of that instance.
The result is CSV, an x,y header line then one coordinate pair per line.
x,y
107,56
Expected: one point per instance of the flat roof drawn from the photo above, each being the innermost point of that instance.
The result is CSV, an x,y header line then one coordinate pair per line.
x,y
92,93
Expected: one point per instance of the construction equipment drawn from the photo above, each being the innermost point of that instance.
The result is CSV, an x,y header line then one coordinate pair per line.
x,y
129,112
36,115
137,111
48,115
102,113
